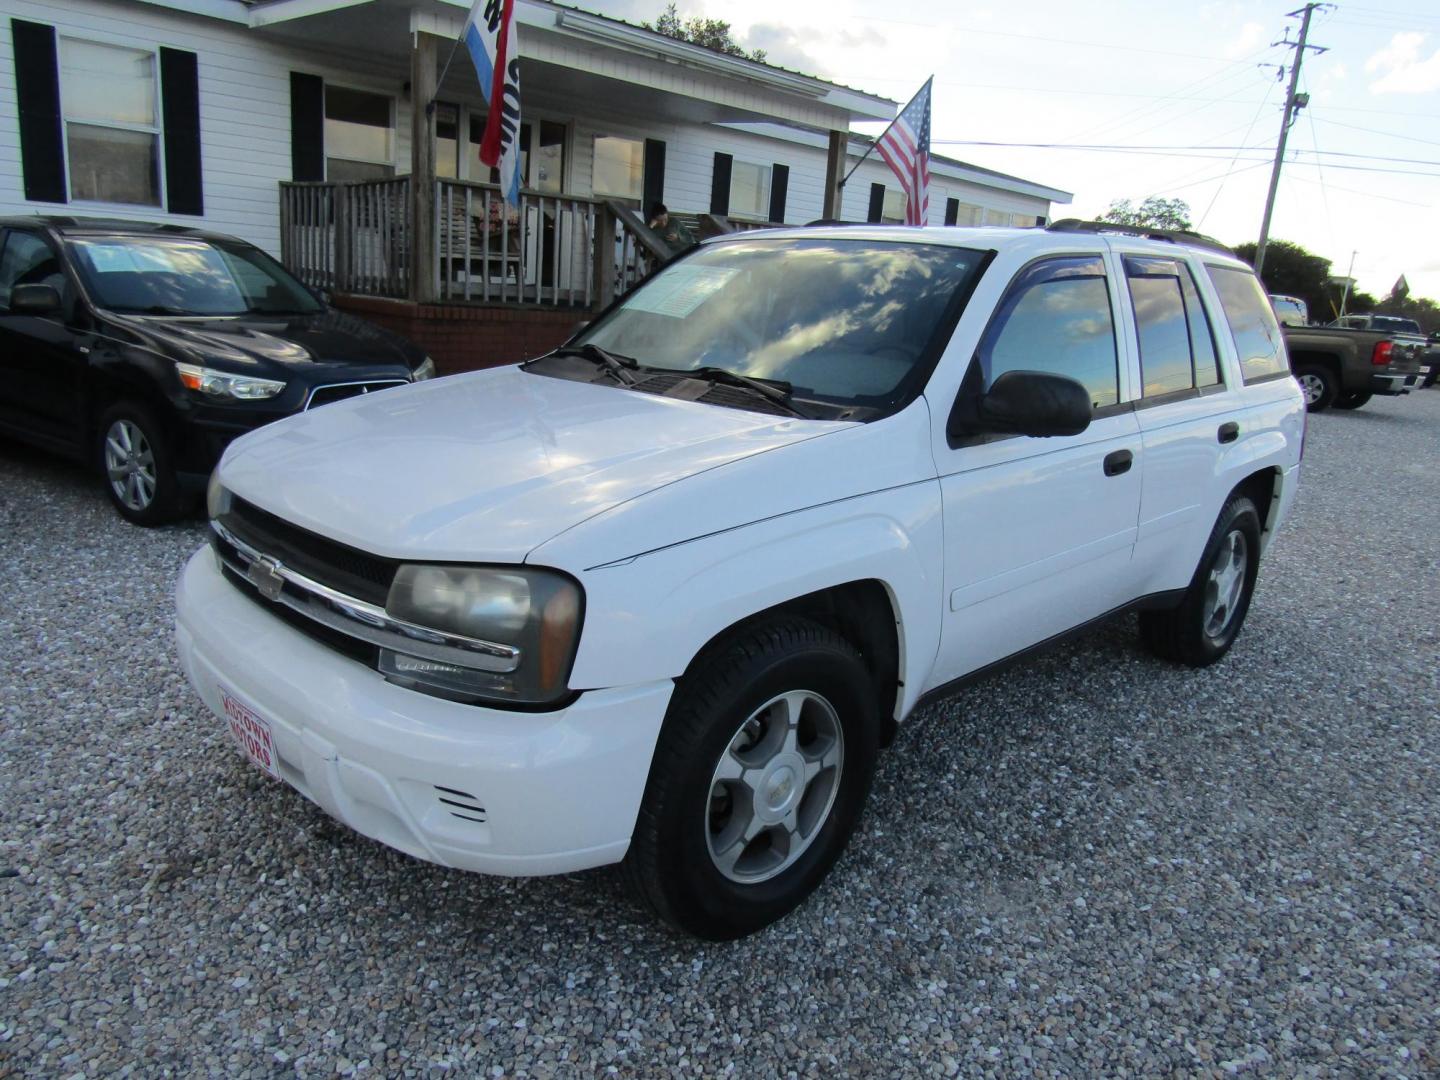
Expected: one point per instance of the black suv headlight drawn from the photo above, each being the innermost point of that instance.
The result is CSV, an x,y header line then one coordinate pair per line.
x,y
532,616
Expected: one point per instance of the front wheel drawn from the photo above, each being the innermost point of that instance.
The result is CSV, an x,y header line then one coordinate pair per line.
x,y
1318,385
135,457
1201,630
1352,401
758,779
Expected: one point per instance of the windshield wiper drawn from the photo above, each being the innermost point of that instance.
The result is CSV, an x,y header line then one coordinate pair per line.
x,y
619,366
776,390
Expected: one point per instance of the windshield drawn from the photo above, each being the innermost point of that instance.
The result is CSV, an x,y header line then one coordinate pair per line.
x,y
844,322
187,276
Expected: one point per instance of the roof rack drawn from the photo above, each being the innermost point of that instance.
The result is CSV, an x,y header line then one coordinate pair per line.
x,y
1174,236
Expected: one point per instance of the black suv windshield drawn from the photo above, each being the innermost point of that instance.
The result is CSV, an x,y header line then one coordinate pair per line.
x,y
843,322
164,275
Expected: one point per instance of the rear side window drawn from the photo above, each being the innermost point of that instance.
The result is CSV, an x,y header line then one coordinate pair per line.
x,y
1055,318
1177,347
1252,323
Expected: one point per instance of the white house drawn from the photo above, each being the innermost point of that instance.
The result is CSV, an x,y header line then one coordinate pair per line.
x,y
302,126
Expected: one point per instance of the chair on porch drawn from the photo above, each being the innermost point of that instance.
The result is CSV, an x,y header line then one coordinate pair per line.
x,y
500,262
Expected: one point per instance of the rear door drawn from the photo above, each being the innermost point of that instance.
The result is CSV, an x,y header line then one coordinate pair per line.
x,y
1039,531
1186,414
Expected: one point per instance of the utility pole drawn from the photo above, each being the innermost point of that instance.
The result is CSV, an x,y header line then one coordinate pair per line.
x,y
1293,103
1349,277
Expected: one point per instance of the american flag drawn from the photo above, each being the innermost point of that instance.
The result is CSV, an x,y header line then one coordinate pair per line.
x,y
905,146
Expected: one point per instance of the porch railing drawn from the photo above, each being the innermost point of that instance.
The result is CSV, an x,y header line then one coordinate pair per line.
x,y
550,251
348,237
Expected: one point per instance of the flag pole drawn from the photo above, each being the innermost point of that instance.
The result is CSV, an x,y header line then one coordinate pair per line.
x,y
430,105
881,136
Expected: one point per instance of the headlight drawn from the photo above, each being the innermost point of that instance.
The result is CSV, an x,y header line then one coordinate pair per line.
x,y
426,370
219,384
217,498
536,612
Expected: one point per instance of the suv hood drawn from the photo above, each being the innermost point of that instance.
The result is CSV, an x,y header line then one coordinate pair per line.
x,y
274,346
485,467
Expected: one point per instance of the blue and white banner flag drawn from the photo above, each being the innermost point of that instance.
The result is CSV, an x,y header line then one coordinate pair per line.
x,y
490,37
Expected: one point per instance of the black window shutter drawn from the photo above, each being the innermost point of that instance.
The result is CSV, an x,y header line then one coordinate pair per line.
x,y
654,174
307,127
37,90
180,91
877,202
952,211
779,188
720,185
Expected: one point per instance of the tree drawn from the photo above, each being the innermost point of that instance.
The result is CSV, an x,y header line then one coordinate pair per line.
x,y
708,33
1290,270
1153,213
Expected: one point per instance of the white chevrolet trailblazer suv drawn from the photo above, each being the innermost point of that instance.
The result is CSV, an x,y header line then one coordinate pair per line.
x,y
660,596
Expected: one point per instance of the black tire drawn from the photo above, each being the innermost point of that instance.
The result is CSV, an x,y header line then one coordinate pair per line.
x,y
1318,384
1429,379
1181,633
1352,401
669,866
146,490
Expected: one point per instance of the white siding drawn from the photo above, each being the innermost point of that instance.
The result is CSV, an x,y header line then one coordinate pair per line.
x,y
244,109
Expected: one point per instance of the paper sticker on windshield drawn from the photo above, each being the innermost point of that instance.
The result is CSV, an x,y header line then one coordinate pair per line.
x,y
681,289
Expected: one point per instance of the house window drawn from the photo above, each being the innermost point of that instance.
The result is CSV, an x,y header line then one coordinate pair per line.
x,y
749,191
968,214
112,132
477,169
550,158
996,217
619,167
447,140
893,212
359,134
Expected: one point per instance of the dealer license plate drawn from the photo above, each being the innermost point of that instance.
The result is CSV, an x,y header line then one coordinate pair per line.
x,y
252,732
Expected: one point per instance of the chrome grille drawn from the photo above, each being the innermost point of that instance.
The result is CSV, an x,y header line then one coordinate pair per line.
x,y
333,392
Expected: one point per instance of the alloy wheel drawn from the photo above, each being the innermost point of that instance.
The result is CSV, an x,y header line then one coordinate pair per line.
x,y
774,786
130,465
1313,386
1225,585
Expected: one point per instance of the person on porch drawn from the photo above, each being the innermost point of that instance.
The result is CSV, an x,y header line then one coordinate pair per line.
x,y
673,232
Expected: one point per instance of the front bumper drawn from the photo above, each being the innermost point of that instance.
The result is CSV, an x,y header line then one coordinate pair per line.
x,y
560,790
1394,384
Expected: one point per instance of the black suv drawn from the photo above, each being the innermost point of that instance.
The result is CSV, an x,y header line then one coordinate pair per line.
x,y
144,349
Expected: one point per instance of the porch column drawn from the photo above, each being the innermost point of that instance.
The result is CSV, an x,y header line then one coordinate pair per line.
x,y
423,85
834,173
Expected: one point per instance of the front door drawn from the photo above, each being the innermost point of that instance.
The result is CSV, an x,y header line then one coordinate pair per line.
x,y
39,359
1039,532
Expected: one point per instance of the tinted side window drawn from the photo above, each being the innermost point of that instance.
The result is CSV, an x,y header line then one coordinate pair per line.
x,y
27,260
1252,323
1177,347
1056,318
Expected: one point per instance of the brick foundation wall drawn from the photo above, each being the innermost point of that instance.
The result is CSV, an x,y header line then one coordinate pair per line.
x,y
464,337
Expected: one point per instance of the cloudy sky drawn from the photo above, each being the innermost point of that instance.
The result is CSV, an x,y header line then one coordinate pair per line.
x,y
1184,97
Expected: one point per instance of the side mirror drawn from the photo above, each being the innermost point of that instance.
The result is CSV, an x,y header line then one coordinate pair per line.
x,y
34,300
1024,403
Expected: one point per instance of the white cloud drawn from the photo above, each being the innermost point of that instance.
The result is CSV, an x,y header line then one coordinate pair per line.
x,y
1401,68
1251,37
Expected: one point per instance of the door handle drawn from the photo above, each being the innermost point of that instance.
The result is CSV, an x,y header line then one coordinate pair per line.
x,y
1228,432
1117,462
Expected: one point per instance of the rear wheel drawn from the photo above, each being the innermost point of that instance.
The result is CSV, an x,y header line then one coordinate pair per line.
x,y
135,459
1201,630
758,779
1318,386
1352,401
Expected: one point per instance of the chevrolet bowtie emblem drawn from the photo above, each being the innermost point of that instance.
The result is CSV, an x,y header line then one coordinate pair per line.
x,y
264,574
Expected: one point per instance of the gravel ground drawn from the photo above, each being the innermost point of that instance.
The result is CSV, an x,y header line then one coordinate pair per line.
x,y
1097,864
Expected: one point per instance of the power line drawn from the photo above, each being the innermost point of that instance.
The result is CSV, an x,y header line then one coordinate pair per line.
x,y
1376,131
1226,178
